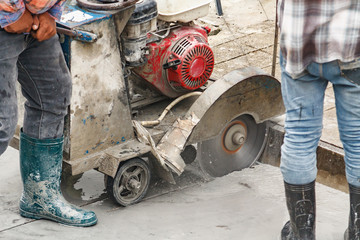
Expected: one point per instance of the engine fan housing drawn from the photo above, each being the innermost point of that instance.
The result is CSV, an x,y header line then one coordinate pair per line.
x,y
180,63
195,61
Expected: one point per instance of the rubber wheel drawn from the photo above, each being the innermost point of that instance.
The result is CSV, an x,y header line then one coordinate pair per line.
x,y
131,182
238,146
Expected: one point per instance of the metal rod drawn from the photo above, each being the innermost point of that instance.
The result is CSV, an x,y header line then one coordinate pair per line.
x,y
276,38
77,34
219,7
65,31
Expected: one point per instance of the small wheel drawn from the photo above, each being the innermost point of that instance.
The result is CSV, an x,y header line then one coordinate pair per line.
x,y
131,182
238,146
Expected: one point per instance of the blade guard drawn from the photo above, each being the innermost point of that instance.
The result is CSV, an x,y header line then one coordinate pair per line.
x,y
243,91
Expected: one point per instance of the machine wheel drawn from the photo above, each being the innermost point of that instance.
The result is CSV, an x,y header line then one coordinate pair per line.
x,y
131,182
238,146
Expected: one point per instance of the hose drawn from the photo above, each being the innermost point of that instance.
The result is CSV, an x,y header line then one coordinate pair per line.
x,y
167,109
162,36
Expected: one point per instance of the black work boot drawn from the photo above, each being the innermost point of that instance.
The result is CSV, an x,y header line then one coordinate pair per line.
x,y
353,231
300,200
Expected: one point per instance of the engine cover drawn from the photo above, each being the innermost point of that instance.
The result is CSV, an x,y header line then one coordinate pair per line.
x,y
180,63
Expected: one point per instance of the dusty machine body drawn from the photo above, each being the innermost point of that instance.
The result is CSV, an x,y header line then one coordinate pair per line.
x,y
129,60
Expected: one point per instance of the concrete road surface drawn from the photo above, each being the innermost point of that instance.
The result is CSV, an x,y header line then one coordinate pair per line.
x,y
249,204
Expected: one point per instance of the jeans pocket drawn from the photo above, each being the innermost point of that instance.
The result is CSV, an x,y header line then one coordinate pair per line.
x,y
351,71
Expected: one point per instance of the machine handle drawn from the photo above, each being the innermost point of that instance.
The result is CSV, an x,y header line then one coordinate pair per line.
x,y
78,35
172,64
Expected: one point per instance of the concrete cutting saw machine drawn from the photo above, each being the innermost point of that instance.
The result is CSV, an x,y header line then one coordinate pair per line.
x,y
143,99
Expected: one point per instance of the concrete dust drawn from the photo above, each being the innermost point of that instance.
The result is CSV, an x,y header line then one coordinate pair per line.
x,y
249,204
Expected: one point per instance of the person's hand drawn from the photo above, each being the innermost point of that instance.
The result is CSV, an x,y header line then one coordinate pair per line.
x,y
43,27
22,25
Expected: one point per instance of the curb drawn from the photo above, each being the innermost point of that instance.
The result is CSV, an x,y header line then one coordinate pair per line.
x,y
330,158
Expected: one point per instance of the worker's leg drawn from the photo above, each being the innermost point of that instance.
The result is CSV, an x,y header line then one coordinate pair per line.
x,y
46,84
303,99
347,95
11,45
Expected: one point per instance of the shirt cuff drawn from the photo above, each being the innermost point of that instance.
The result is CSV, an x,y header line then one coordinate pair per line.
x,y
56,10
10,18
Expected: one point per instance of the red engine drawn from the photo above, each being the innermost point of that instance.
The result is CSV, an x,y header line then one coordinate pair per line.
x,y
181,62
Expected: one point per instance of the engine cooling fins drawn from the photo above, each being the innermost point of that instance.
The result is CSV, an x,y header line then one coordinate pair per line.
x,y
197,63
199,60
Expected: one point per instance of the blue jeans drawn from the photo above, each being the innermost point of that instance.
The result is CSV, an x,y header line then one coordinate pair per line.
x,y
304,99
45,82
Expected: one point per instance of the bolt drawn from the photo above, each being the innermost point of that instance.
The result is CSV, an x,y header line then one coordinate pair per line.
x,y
238,138
134,184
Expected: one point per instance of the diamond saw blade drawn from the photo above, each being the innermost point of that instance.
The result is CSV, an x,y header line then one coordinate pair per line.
x,y
238,146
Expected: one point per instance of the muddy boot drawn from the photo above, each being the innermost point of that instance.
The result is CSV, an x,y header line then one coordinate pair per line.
x,y
353,231
300,200
40,166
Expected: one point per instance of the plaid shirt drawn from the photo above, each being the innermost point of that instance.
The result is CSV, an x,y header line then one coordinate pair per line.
x,y
12,10
318,31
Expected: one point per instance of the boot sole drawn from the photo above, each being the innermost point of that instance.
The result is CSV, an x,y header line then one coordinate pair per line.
x,y
37,216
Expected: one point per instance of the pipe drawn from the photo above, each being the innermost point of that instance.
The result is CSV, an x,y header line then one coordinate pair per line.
x,y
167,109
219,7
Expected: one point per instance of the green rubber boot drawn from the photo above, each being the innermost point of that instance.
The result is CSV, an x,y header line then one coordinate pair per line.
x,y
40,166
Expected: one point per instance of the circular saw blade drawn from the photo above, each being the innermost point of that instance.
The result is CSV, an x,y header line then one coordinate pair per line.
x,y
217,161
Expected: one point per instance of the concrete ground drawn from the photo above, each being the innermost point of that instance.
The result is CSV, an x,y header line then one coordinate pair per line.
x,y
249,204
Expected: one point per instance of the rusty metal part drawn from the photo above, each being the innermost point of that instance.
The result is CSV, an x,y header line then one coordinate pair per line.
x,y
120,5
234,136
238,146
